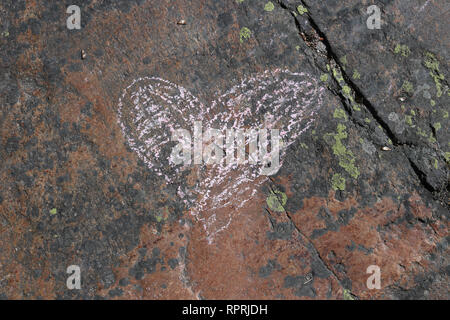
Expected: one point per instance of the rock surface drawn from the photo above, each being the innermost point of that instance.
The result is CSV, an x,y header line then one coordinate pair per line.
x,y
365,183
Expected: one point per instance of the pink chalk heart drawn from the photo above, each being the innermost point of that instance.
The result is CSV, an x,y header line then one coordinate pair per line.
x,y
152,109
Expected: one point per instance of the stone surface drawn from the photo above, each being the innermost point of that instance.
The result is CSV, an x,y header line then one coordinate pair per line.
x,y
366,183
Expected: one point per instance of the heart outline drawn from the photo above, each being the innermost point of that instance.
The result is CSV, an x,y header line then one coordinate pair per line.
x,y
295,97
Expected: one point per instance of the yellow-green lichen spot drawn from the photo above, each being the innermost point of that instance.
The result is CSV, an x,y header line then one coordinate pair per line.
x,y
402,50
301,9
345,156
324,77
407,86
447,157
339,114
269,7
437,126
432,64
408,120
356,107
244,34
338,182
276,200
346,90
348,295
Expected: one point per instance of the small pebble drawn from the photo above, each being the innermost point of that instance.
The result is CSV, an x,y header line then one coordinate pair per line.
x,y
182,22
83,54
386,149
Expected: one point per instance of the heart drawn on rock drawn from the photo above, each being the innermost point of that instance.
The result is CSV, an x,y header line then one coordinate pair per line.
x,y
151,109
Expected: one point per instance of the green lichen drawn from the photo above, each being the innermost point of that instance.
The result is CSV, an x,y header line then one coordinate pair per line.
x,y
407,86
408,120
328,67
339,114
402,49
356,74
435,163
297,48
432,102
346,90
301,9
447,157
324,77
437,126
303,145
432,64
53,211
348,295
244,34
367,120
269,6
338,182
431,139
343,60
413,112
239,1
356,107
345,156
159,218
445,114
276,200
422,132
337,75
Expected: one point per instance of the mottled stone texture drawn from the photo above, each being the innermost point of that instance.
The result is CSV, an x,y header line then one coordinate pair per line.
x,y
367,184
